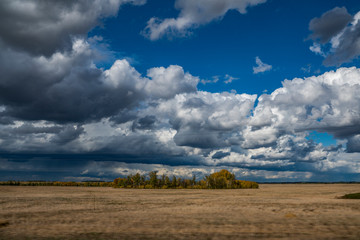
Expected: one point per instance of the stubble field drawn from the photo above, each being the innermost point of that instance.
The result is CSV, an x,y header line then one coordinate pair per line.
x,y
274,211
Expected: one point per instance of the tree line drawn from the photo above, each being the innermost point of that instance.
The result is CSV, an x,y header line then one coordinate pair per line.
x,y
218,180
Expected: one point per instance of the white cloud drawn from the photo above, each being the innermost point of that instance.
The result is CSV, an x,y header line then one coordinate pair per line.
x,y
261,67
316,48
167,82
193,14
325,103
229,79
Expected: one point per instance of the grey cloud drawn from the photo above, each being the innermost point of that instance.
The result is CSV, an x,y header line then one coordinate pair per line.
x,y
353,144
194,103
147,122
44,27
192,14
65,87
206,120
67,134
37,136
334,32
291,148
220,155
28,128
199,138
347,48
329,24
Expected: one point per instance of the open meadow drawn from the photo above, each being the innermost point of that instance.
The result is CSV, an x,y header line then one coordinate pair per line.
x,y
274,211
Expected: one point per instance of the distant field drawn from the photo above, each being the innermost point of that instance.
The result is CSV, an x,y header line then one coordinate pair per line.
x,y
275,211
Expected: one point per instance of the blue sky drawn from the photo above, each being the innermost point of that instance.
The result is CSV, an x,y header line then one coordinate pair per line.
x,y
92,90
228,45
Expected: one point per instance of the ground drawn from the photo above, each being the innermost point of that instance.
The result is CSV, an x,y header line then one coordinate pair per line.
x,y
274,211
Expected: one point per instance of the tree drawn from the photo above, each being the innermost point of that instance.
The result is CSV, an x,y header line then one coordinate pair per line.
x,y
153,179
174,182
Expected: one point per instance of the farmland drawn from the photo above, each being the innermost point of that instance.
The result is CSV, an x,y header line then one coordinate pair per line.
x,y
276,211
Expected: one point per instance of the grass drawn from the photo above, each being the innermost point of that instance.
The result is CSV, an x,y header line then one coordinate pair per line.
x,y
351,196
302,211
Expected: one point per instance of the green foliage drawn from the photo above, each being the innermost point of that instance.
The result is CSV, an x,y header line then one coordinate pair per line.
x,y
351,196
218,180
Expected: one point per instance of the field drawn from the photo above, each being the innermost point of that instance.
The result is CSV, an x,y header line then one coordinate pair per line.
x,y
274,211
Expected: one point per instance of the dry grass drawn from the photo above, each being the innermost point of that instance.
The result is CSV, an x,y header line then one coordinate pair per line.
x,y
293,211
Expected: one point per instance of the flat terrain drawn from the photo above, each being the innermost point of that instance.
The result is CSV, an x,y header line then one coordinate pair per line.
x,y
288,211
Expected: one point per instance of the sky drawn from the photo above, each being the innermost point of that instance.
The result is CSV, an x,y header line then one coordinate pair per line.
x,y
94,90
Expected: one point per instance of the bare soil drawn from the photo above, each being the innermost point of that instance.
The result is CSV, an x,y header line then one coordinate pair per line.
x,y
274,211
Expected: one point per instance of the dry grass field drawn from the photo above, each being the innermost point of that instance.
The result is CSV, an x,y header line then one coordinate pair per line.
x,y
289,211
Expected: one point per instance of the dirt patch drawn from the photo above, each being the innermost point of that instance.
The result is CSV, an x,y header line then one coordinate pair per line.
x,y
4,223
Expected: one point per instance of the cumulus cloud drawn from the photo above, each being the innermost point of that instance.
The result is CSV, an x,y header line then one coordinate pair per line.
x,y
325,103
261,67
193,14
167,82
338,31
68,87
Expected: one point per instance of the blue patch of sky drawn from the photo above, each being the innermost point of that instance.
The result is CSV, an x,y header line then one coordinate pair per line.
x,y
322,137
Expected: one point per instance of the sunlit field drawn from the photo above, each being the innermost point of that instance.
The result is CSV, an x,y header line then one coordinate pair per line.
x,y
275,211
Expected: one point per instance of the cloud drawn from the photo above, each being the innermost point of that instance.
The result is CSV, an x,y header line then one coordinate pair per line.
x,y
167,82
61,115
339,32
316,48
44,27
209,129
325,103
261,67
229,79
67,87
329,24
193,14
353,144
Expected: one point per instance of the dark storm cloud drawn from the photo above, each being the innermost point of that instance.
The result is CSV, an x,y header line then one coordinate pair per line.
x,y
329,24
220,154
343,131
63,88
347,49
44,27
147,122
67,134
29,128
353,144
333,31
199,139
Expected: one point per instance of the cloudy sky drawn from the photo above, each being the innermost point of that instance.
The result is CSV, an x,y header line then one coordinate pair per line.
x,y
93,90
